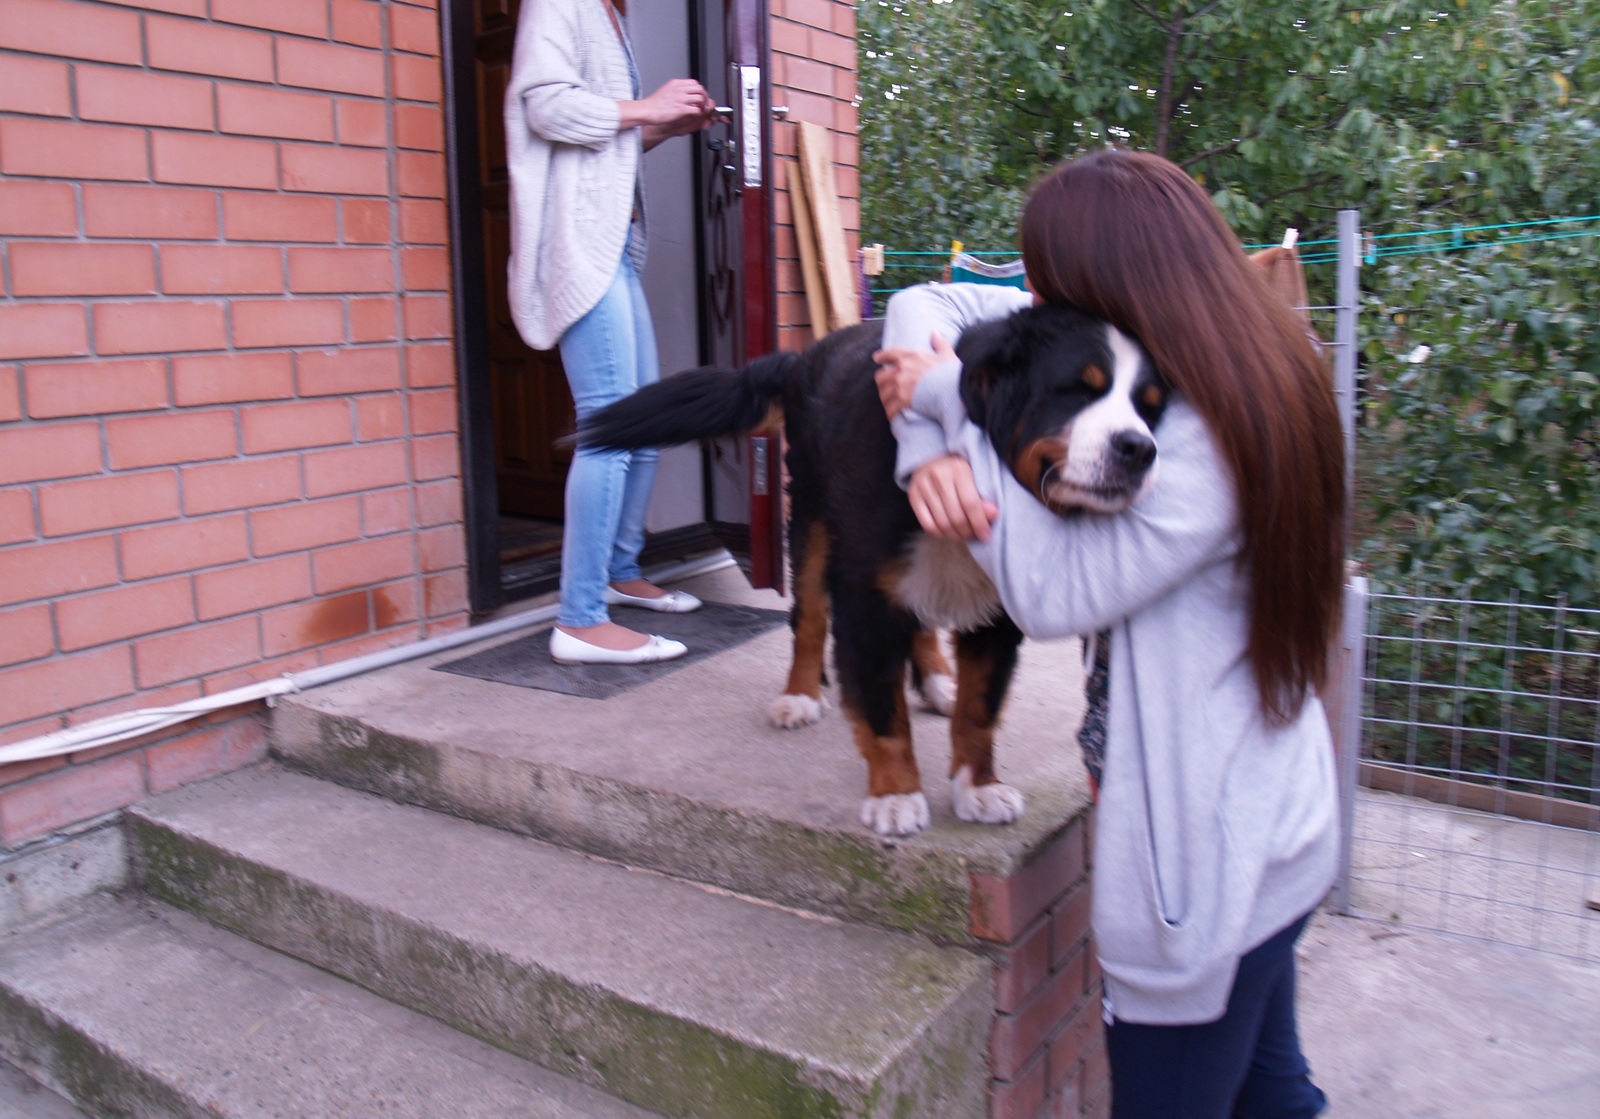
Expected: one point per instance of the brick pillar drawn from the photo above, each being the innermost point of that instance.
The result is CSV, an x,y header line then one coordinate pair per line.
x,y
1047,1048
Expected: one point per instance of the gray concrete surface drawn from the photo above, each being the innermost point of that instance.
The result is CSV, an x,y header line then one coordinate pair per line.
x,y
55,873
1475,874
157,1013
674,996
1406,1024
686,775
24,1098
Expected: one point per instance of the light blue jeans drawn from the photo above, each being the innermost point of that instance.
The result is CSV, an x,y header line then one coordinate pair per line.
x,y
607,354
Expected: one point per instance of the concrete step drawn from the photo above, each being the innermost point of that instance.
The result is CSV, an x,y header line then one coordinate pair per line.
x,y
686,1000
22,1097
134,1009
685,775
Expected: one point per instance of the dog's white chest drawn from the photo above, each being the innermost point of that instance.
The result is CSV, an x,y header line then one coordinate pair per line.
x,y
944,586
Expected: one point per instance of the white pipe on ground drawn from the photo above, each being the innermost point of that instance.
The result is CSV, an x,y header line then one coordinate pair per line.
x,y
148,720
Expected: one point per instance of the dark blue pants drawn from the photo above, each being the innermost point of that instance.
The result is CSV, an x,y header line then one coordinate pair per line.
x,y
1245,1065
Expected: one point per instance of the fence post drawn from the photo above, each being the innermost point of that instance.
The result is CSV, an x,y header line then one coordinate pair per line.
x,y
1347,304
1345,719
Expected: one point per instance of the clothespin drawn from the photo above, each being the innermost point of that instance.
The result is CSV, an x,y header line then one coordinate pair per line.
x,y
872,259
955,250
1290,236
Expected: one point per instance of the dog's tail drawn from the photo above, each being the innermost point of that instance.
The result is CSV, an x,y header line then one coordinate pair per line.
x,y
698,404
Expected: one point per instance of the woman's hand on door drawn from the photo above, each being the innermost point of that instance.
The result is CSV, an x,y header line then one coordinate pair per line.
x,y
680,106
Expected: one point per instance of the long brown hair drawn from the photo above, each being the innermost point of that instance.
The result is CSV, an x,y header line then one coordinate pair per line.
x,y
1129,237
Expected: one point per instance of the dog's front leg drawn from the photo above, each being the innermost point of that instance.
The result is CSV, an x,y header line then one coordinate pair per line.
x,y
871,644
801,701
986,659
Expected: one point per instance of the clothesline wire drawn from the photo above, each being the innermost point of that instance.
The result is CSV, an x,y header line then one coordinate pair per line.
x,y
1458,236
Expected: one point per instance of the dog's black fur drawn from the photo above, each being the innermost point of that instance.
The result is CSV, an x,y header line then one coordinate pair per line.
x,y
852,532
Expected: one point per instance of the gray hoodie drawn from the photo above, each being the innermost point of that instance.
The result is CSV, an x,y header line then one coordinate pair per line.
x,y
1215,829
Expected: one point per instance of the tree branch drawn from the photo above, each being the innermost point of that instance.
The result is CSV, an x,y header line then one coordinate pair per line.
x,y
1220,149
1164,103
1147,11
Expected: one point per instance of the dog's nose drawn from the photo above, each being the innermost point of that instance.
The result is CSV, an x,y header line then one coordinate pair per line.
x,y
1134,450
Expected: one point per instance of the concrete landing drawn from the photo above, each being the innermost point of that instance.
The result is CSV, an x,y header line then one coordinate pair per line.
x,y
686,775
1401,1024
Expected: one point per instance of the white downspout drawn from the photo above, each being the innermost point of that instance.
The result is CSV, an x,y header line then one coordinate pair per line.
x,y
147,720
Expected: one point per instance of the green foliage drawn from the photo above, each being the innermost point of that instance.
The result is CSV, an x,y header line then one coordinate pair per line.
x,y
1482,462
933,129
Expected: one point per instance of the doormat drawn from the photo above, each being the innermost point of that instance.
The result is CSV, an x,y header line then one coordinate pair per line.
x,y
526,663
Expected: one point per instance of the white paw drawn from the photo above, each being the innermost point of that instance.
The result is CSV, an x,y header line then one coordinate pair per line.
x,y
896,814
940,693
791,711
984,804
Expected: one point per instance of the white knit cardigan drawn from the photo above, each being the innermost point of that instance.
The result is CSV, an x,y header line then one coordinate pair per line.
x,y
574,176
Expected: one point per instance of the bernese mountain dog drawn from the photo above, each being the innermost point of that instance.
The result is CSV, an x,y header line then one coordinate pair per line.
x,y
1069,402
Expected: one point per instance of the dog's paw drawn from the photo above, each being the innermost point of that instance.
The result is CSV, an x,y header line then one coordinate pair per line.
x,y
896,814
984,804
791,711
939,693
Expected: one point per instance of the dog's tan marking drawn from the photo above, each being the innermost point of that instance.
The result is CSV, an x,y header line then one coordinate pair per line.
x,y
891,765
927,655
976,794
937,681
971,727
894,804
1152,396
1035,460
1096,378
811,618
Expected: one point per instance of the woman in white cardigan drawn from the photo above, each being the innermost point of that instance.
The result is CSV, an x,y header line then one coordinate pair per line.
x,y
576,125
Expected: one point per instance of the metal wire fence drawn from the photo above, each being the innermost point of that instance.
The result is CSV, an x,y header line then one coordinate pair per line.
x,y
1478,810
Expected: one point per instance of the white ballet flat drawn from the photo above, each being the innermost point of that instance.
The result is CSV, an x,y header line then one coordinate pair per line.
x,y
567,649
673,602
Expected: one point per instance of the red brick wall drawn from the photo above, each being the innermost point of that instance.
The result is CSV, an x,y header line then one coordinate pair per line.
x,y
227,405
1047,1051
814,74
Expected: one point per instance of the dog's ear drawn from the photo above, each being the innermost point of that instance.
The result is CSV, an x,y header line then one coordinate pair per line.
x,y
991,354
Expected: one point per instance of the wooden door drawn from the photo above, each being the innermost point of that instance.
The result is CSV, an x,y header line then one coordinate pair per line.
x,y
516,403
529,397
744,484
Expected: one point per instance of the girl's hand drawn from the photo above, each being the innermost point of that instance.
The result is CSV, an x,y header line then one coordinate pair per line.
x,y
946,500
900,368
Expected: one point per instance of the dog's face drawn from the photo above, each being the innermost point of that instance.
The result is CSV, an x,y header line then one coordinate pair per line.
x,y
1070,402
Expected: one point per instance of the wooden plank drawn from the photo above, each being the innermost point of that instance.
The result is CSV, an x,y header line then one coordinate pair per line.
x,y
816,167
810,266
1480,798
